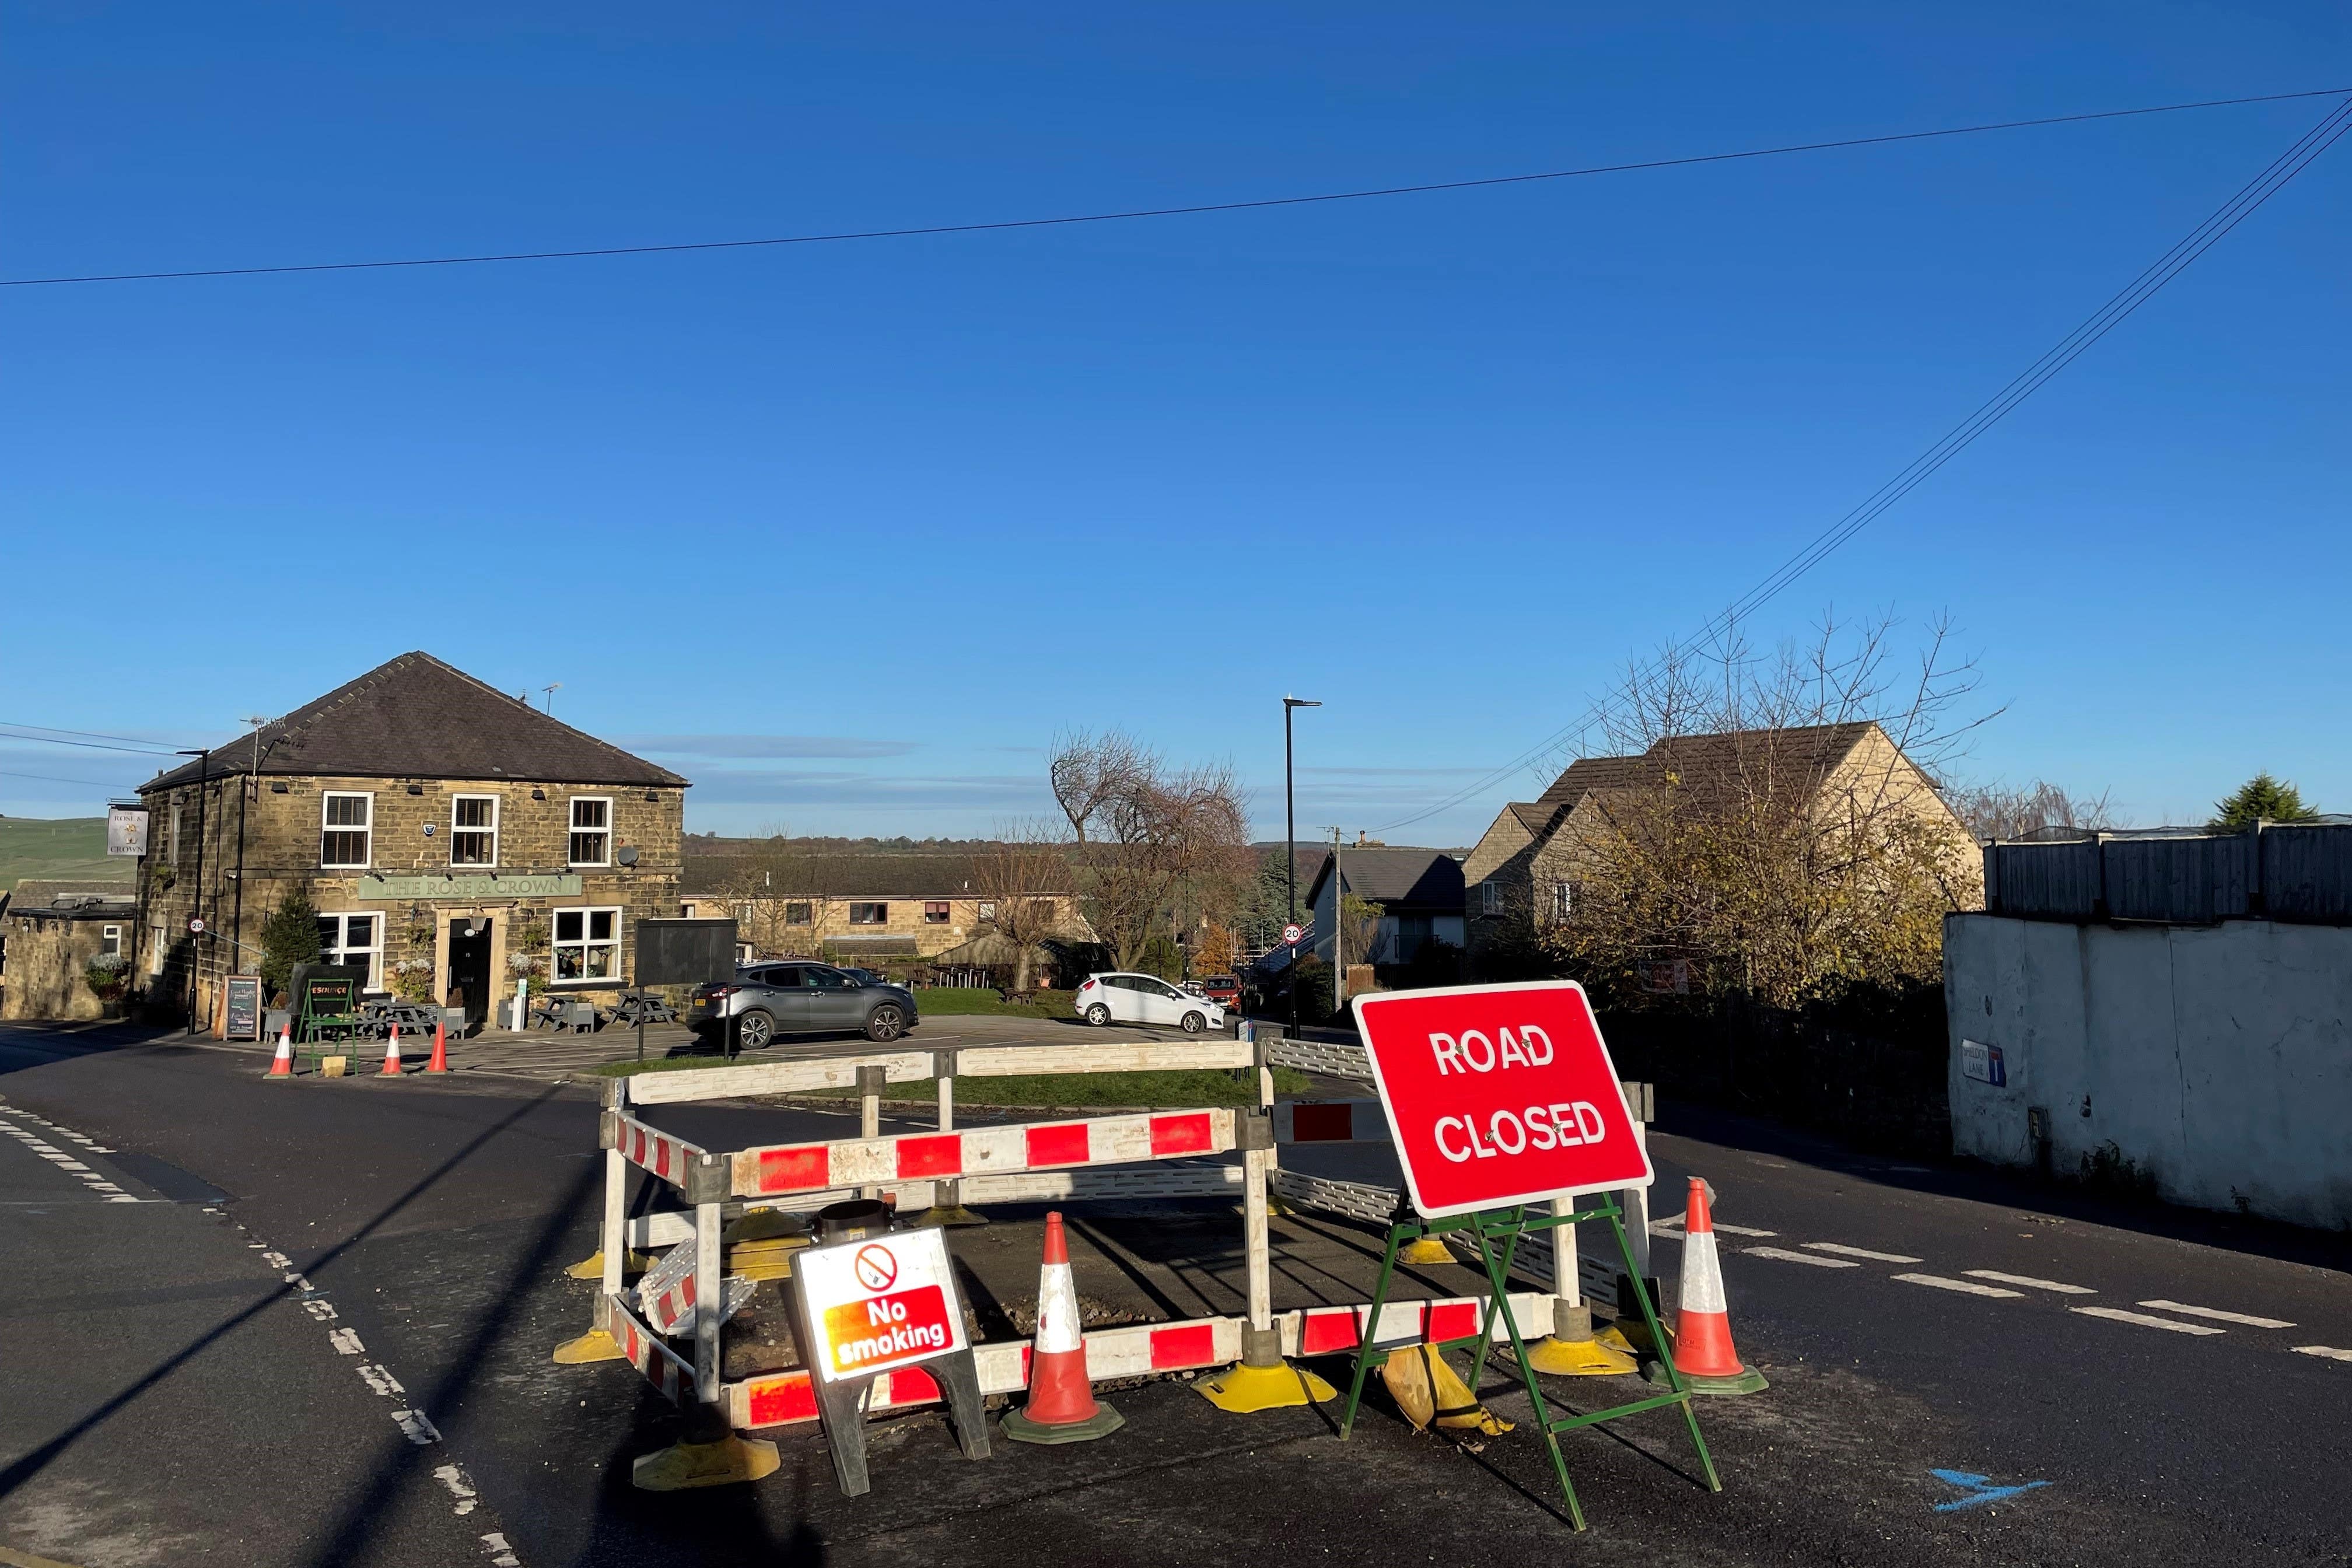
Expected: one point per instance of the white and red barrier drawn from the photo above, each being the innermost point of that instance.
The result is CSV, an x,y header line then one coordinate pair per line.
x,y
794,1168
1144,1350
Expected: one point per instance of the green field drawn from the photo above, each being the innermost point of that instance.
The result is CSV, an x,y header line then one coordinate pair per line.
x,y
66,847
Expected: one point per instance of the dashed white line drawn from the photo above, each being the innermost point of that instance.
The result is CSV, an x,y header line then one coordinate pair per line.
x,y
2116,1314
380,1381
346,1341
1968,1286
501,1555
320,1311
2330,1351
277,1259
418,1430
1784,1255
461,1489
1844,1251
2218,1315
2030,1282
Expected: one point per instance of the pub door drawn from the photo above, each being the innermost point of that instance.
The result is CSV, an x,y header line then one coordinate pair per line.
x,y
469,967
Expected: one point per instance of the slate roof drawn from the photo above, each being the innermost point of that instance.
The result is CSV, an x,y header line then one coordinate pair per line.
x,y
78,899
1402,879
1806,752
903,879
416,717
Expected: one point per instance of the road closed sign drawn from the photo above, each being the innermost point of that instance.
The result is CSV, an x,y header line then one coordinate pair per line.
x,y
880,1303
1499,1095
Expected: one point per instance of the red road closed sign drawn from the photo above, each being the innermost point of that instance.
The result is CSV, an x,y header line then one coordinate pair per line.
x,y
1499,1095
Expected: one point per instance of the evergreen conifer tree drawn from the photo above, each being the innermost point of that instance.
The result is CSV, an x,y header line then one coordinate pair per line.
x,y
291,936
2260,799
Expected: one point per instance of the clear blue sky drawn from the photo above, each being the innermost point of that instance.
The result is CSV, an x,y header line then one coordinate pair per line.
x,y
868,523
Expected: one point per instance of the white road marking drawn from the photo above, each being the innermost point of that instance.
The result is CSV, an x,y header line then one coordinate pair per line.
x,y
380,1381
2118,1314
501,1555
419,1430
1672,1229
320,1311
1844,1251
452,1478
346,1341
2218,1315
2028,1281
276,1259
2330,1351
1968,1287
1785,1255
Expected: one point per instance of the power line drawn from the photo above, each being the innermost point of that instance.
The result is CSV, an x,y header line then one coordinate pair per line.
x,y
48,778
85,734
86,745
1195,210
2241,205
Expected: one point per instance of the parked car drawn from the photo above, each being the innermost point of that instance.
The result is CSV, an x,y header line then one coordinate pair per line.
x,y
1224,990
865,976
1145,999
770,999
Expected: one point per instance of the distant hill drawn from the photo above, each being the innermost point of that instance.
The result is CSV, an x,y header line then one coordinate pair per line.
x,y
66,846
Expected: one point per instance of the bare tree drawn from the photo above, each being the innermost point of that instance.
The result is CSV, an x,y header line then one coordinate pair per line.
x,y
2007,811
1018,880
1152,845
762,884
1760,836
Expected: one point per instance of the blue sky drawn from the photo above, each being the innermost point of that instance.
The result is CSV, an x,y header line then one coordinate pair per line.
x,y
847,532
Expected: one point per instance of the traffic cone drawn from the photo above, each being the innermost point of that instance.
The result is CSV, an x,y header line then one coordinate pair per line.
x,y
282,1064
391,1054
1703,1351
1062,1406
440,1062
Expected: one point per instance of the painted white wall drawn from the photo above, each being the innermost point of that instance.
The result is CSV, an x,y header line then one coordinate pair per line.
x,y
2217,1059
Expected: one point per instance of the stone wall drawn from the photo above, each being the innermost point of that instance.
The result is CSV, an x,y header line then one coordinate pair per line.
x,y
46,956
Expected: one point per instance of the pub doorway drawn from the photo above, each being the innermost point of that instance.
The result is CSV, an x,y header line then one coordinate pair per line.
x,y
469,981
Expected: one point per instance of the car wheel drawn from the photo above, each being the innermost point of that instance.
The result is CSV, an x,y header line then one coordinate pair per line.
x,y
885,1023
1195,1022
1098,1014
755,1030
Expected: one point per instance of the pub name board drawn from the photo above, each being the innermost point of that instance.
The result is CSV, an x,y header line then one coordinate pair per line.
x,y
560,886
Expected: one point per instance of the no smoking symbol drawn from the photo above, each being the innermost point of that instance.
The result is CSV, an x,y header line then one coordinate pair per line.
x,y
876,1270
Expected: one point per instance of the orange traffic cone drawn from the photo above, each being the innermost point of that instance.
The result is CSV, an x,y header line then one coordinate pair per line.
x,y
282,1064
1062,1406
440,1062
1704,1353
391,1054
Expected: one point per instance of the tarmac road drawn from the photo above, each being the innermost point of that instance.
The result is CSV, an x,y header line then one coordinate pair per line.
x,y
435,1217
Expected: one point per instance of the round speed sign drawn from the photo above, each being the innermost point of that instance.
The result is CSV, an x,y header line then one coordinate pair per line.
x,y
197,926
1290,935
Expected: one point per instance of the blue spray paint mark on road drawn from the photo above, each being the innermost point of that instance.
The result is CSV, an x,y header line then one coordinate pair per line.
x,y
1980,1489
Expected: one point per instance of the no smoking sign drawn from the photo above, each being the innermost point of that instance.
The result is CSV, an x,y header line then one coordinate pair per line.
x,y
880,1304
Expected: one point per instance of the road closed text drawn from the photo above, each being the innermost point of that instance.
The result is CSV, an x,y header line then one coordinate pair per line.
x,y
1560,1125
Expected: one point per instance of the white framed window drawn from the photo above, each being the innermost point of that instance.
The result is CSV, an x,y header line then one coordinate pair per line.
x,y
110,942
346,828
1490,898
587,944
987,909
356,940
1563,899
591,830
474,830
175,831
155,949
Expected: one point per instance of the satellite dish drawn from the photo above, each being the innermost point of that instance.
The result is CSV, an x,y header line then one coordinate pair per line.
x,y
628,854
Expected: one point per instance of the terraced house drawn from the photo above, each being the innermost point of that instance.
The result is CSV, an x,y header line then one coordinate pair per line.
x,y
451,838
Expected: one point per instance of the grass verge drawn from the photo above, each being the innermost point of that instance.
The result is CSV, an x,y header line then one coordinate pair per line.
x,y
964,1002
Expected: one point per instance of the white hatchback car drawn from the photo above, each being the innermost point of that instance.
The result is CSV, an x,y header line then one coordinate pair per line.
x,y
1145,999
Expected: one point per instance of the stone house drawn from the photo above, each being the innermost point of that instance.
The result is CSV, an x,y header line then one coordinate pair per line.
x,y
56,938
1420,892
452,838
1523,873
874,909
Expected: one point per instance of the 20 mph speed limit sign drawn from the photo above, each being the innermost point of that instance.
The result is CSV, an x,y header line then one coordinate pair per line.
x,y
1499,1095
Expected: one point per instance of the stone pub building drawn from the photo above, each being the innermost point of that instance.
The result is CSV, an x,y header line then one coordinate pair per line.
x,y
452,838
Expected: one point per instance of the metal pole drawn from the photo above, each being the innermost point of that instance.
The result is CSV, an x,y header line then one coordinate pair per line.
x,y
1338,932
1291,851
197,896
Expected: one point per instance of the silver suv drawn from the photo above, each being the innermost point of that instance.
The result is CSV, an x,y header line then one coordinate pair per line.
x,y
796,996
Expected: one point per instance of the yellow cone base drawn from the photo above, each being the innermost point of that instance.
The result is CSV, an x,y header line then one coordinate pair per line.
x,y
1105,1421
593,1266
765,1224
592,1346
722,1463
1245,1389
1579,1358
1631,1336
1749,1381
1426,1249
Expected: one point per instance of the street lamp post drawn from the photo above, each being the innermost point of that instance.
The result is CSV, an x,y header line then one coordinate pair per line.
x,y
1290,842
196,890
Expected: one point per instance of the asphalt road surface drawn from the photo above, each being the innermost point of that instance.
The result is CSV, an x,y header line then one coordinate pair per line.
x,y
2158,1386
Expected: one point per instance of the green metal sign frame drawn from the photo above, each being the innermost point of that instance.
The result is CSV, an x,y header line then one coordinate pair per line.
x,y
1507,1226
